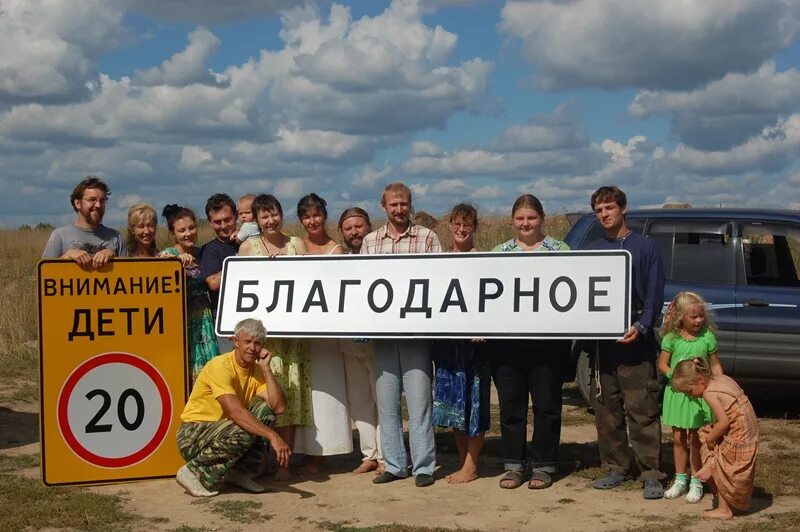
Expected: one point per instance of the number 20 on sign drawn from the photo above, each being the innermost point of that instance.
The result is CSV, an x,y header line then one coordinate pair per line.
x,y
113,370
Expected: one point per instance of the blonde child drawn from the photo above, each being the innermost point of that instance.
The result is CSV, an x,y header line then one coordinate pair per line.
x,y
247,220
729,446
686,335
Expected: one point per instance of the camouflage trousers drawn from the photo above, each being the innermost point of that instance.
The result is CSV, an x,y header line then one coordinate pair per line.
x,y
627,414
212,448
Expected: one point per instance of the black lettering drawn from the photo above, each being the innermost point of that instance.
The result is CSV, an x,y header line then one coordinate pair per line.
x,y
594,293
150,323
123,418
102,321
276,292
371,295
92,427
316,297
241,295
454,288
573,295
86,314
484,295
519,293
343,288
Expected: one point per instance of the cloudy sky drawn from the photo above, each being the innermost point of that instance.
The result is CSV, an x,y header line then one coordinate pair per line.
x,y
169,101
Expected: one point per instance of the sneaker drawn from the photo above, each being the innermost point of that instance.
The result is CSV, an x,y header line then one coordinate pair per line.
x,y
244,481
422,480
192,484
695,493
677,489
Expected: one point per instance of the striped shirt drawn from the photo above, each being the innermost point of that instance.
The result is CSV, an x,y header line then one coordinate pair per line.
x,y
415,239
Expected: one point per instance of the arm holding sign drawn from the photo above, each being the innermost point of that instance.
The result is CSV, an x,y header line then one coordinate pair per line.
x,y
648,285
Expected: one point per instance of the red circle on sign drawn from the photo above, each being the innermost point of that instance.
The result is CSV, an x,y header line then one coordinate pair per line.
x,y
115,358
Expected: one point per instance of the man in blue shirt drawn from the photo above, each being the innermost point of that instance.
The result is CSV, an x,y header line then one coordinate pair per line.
x,y
221,214
625,388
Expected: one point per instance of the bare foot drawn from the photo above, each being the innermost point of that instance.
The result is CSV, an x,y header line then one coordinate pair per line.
x,y
283,473
312,467
381,468
366,466
462,476
718,513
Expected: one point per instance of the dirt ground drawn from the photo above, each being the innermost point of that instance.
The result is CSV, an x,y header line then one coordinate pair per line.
x,y
338,500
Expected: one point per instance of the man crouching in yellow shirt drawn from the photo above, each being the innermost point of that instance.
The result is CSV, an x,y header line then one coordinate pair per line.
x,y
231,411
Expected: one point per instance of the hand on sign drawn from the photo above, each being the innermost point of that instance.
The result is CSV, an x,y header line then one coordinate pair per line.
x,y
630,336
101,258
186,259
282,451
83,258
478,340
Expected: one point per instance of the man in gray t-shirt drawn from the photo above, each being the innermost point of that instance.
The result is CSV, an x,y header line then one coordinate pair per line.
x,y
88,242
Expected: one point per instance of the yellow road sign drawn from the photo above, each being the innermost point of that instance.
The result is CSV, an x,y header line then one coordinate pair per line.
x,y
113,370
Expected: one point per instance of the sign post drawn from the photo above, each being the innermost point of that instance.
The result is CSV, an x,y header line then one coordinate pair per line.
x,y
113,370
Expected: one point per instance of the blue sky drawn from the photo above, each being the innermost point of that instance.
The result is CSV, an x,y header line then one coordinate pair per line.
x,y
464,100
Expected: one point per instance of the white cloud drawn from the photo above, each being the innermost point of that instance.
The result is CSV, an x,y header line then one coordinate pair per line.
x,y
647,43
548,143
488,192
424,147
725,112
371,176
557,130
50,48
193,157
447,187
418,189
185,67
774,149
207,11
376,75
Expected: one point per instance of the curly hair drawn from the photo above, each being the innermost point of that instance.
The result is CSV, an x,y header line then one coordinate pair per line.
x,y
676,311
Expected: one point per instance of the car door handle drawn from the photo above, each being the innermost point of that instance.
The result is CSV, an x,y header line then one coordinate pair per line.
x,y
756,303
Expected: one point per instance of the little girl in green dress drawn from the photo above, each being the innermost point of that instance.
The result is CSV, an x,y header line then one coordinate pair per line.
x,y
686,335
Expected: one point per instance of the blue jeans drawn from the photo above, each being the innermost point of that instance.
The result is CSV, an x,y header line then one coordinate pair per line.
x,y
405,366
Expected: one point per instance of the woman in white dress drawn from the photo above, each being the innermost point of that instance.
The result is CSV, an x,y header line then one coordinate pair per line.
x,y
331,431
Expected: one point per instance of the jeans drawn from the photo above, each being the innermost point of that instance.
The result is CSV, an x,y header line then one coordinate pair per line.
x,y
523,368
405,366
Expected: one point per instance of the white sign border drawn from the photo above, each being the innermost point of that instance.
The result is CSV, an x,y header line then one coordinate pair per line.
x,y
444,335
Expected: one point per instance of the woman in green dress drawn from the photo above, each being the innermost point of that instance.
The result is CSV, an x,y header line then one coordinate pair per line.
x,y
182,226
290,356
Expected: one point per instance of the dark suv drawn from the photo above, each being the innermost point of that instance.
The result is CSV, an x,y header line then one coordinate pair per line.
x,y
744,263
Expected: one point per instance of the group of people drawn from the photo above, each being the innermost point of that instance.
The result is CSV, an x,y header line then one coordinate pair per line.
x,y
301,397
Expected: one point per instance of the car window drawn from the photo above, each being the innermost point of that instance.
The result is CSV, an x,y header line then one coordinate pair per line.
x,y
695,251
771,253
596,232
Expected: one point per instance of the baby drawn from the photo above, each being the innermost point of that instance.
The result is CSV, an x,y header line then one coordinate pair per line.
x,y
248,226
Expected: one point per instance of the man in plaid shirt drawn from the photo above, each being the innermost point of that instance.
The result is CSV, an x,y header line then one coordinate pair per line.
x,y
403,365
